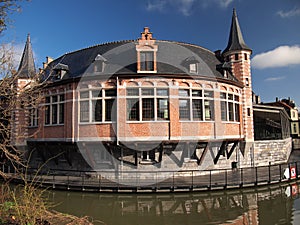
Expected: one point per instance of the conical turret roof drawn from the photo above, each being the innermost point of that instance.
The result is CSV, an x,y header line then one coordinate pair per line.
x,y
236,40
27,67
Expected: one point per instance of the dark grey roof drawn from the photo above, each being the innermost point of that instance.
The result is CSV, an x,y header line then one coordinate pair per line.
x,y
27,68
120,58
236,40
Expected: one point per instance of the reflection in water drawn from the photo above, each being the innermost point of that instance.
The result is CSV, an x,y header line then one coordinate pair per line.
x,y
271,205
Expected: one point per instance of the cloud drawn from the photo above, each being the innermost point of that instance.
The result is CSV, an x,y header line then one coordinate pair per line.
x,y
291,13
183,6
279,57
156,6
275,78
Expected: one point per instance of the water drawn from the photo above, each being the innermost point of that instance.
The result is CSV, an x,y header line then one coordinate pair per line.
x,y
268,205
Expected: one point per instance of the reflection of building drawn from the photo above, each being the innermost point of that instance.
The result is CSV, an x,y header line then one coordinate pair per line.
x,y
260,206
147,104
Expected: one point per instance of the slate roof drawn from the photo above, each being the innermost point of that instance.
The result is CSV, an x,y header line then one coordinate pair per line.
x,y
27,68
120,58
236,40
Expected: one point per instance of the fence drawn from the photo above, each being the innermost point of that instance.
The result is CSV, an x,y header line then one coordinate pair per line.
x,y
156,181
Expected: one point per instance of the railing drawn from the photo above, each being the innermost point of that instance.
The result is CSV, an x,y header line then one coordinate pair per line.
x,y
187,180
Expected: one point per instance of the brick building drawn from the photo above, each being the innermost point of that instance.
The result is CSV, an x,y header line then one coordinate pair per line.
x,y
146,104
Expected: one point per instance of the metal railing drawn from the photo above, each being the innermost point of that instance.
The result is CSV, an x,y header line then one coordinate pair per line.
x,y
185,180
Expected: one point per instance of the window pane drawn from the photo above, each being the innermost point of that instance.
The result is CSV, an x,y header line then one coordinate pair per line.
x,y
148,108
197,109
132,91
133,109
61,113
236,98
97,110
193,68
230,96
224,111
209,94
230,111
184,92
148,91
47,114
84,94
61,98
237,112
209,109
109,110
184,109
162,109
110,93
96,93
47,100
54,114
84,111
147,61
223,95
196,93
162,92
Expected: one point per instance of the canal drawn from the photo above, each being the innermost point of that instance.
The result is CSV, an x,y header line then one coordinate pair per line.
x,y
277,204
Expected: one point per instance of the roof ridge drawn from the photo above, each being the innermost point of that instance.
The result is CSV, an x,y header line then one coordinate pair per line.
x,y
189,44
96,45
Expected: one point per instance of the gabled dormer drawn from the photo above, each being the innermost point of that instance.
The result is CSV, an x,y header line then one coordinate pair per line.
x,y
146,53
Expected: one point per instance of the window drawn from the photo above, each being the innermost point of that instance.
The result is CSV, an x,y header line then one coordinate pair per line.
x,y
230,108
97,105
147,104
245,56
236,56
195,104
146,61
209,105
33,117
54,109
193,68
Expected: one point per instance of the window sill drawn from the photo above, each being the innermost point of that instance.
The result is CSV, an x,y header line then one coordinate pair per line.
x,y
96,123
149,121
197,121
53,125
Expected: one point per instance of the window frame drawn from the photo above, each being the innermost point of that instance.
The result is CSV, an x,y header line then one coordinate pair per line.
x,y
141,96
54,109
102,99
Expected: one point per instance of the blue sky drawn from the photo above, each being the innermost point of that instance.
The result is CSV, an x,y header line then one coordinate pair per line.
x,y
270,27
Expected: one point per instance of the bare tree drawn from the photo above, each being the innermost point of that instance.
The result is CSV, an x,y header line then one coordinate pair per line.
x,y
7,7
19,99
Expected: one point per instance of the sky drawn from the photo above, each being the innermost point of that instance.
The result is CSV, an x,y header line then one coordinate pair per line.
x,y
271,28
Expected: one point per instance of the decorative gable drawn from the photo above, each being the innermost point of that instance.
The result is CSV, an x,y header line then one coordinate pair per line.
x,y
146,53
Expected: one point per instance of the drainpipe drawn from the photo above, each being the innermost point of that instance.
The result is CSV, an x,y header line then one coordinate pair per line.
x,y
117,117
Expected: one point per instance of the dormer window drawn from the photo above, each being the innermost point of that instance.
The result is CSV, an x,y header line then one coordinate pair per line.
x,y
146,61
60,70
146,53
193,68
99,64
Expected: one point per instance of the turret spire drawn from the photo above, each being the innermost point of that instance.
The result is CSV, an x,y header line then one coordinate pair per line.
x,y
236,40
27,67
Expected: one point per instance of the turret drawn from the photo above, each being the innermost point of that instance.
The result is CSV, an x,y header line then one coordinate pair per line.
x,y
237,54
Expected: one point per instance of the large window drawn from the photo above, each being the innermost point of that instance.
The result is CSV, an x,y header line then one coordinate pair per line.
x,y
147,104
97,105
54,109
196,104
230,108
